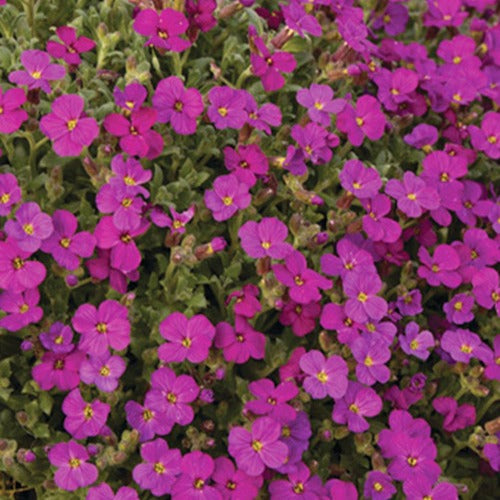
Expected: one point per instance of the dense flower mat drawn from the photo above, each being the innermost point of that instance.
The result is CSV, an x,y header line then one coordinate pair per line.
x,y
249,249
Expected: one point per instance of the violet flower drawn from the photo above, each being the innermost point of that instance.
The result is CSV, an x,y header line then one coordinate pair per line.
x,y
318,99
58,339
59,370
441,268
463,345
103,371
227,107
146,421
247,162
265,238
371,354
194,479
455,417
227,197
362,182
10,193
72,46
234,484
21,308
378,486
415,342
11,114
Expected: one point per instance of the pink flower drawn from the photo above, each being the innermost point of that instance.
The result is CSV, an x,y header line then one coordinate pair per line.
x,y
265,238
11,114
234,484
10,193
194,481
68,127
21,308
146,421
59,370
104,492
227,197
71,48
103,371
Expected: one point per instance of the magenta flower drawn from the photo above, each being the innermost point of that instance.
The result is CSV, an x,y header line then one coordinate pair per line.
x,y
247,163
227,197
107,326
163,29
341,489
21,308
463,345
146,421
487,138
441,268
84,419
136,136
131,98
159,468
357,403
10,193
300,484
247,303
177,105
259,448
263,118
240,343
375,225
194,480
188,339
486,289
366,120
363,303
103,371
38,71
59,370
171,395
272,401
227,107
234,484
65,244
299,21
265,238
318,99
362,182
423,136
371,353
455,417
73,470
395,88
104,492
393,20
71,48
68,126
415,342
301,317
304,283
126,208
492,369
314,142
413,195
11,114
58,339
419,488
459,309
325,376
378,486
30,227
16,273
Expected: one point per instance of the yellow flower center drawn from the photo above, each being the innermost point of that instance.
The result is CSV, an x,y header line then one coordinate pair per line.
x,y
29,229
457,97
126,202
458,306
353,408
492,139
74,463
298,281
230,485
435,268
171,398
359,121
457,60
5,198
285,432
58,340
129,181
71,124
104,371
65,242
257,446
101,327
59,364
227,200
362,297
444,177
24,308
178,106
147,415
163,34
178,224
377,486
88,412
368,361
126,238
186,342
411,196
387,19
466,348
129,104
298,488
495,296
322,377
356,185
414,345
159,468
18,263
36,75
394,91
198,483
319,105
222,111
412,461
266,245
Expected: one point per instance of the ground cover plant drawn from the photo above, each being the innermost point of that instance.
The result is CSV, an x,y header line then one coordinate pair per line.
x,y
249,249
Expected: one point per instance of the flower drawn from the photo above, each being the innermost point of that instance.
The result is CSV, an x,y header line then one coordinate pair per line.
x,y
371,353
104,492
71,48
419,488
131,98
227,107
73,470
103,371
462,345
159,468
416,342
227,197
265,238
163,29
58,339
234,484
59,370
101,328
486,289
375,225
84,419
39,71
66,245
459,309
441,268
298,20
68,127
423,136
11,114
487,138
248,163
126,208
362,182
357,402
178,106
300,484
21,308
188,339
301,317
10,193
318,99
325,376
247,304
259,448
492,370
147,422
378,486
455,417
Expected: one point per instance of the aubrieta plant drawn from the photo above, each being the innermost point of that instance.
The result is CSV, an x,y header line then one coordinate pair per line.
x,y
249,249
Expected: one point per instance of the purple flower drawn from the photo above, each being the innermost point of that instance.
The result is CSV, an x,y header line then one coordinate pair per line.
x,y
371,353
299,21
136,136
234,484
421,488
491,452
410,303
177,105
325,376
147,422
188,339
487,138
459,309
444,13
163,29
486,289
300,484
304,283
84,419
301,317
73,470
263,118
375,225
30,227
254,450
362,182
357,403
455,417
71,48
59,370
103,371
126,208
416,342
65,244
39,71
104,492
10,193
441,268
131,98
58,339
227,197
16,273
272,400
423,136
492,369
394,21
68,126
159,469
378,486
313,141
463,345
412,194
21,308
11,114
171,395
366,120
265,238
196,470
318,99
227,107
341,489
107,326
247,163
395,88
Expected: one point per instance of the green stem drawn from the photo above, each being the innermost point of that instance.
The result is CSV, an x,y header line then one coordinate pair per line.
x,y
30,9
243,77
482,412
